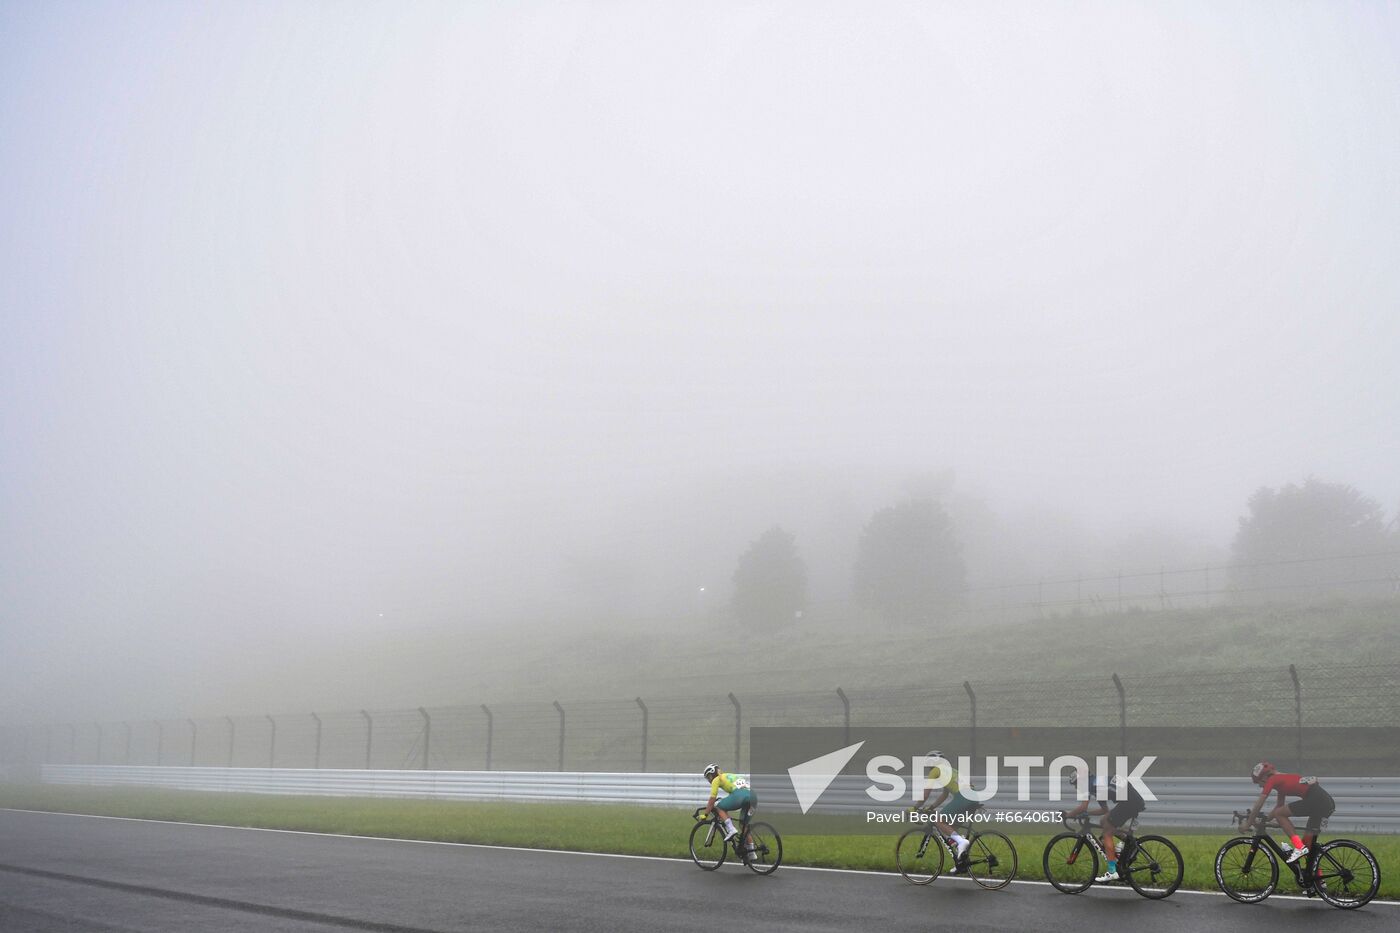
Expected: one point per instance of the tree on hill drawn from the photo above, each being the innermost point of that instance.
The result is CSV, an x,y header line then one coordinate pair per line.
x,y
770,582
1301,539
909,564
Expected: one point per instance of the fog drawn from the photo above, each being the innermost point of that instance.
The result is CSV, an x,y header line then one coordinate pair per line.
x,y
321,324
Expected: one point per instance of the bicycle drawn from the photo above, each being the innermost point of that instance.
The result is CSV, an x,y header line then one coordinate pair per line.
x,y
762,853
990,859
1152,865
1342,872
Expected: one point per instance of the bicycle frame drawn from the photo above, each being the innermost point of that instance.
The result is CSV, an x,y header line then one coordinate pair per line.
x,y
935,830
967,860
1126,850
739,837
1303,869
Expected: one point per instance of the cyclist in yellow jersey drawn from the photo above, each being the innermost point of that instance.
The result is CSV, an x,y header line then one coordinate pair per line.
x,y
737,796
957,803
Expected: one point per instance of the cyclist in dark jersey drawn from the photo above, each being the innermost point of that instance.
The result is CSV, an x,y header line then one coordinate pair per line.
x,y
1313,802
1127,804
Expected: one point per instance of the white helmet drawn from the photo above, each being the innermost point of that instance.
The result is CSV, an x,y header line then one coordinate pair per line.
x,y
936,754
711,770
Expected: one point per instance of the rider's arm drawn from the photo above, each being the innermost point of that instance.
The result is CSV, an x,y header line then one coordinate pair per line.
x,y
927,792
714,795
1258,805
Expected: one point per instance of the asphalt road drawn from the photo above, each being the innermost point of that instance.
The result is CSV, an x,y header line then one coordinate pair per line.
x,y
60,872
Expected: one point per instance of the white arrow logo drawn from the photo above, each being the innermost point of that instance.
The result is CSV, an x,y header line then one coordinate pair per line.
x,y
811,778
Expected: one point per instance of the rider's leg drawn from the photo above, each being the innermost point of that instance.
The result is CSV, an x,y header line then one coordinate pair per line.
x,y
725,822
739,800
1281,813
945,826
1110,851
1108,847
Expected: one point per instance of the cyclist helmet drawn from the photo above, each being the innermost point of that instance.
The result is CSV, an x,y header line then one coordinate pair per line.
x,y
936,754
711,770
1261,772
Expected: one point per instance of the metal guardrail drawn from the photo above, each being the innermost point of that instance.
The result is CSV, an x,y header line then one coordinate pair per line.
x,y
1363,804
652,788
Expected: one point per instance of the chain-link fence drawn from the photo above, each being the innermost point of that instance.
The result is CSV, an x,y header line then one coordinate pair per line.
x,y
668,733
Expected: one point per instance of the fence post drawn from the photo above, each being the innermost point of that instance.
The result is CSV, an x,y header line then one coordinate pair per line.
x,y
972,731
1122,716
643,708
126,755
561,734
316,761
228,758
846,710
369,737
490,732
194,739
427,735
1297,711
738,728
160,743
272,743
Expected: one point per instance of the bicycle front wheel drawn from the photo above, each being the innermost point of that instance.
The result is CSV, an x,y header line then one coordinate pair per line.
x,y
1346,874
991,860
1070,863
919,855
707,845
1156,868
1246,870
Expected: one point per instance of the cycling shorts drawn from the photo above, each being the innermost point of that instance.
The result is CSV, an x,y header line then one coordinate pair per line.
x,y
957,803
1316,805
1125,811
741,797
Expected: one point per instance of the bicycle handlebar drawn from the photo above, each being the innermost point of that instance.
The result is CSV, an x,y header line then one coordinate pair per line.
x,y
1239,817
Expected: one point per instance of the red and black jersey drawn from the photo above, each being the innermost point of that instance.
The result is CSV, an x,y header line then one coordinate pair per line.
x,y
1289,785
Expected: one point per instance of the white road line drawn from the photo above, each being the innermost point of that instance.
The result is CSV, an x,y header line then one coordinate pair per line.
x,y
646,858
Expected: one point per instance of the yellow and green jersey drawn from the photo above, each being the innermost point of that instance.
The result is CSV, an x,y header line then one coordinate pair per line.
x,y
936,772
728,783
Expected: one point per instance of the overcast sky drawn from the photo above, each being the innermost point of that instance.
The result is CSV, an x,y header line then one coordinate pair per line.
x,y
313,311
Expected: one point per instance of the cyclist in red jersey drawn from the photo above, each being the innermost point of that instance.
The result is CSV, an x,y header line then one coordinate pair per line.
x,y
1313,802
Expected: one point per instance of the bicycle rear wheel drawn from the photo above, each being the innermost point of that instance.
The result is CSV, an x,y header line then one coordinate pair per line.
x,y
1246,870
1070,863
767,853
991,860
707,845
1156,868
1346,874
919,855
